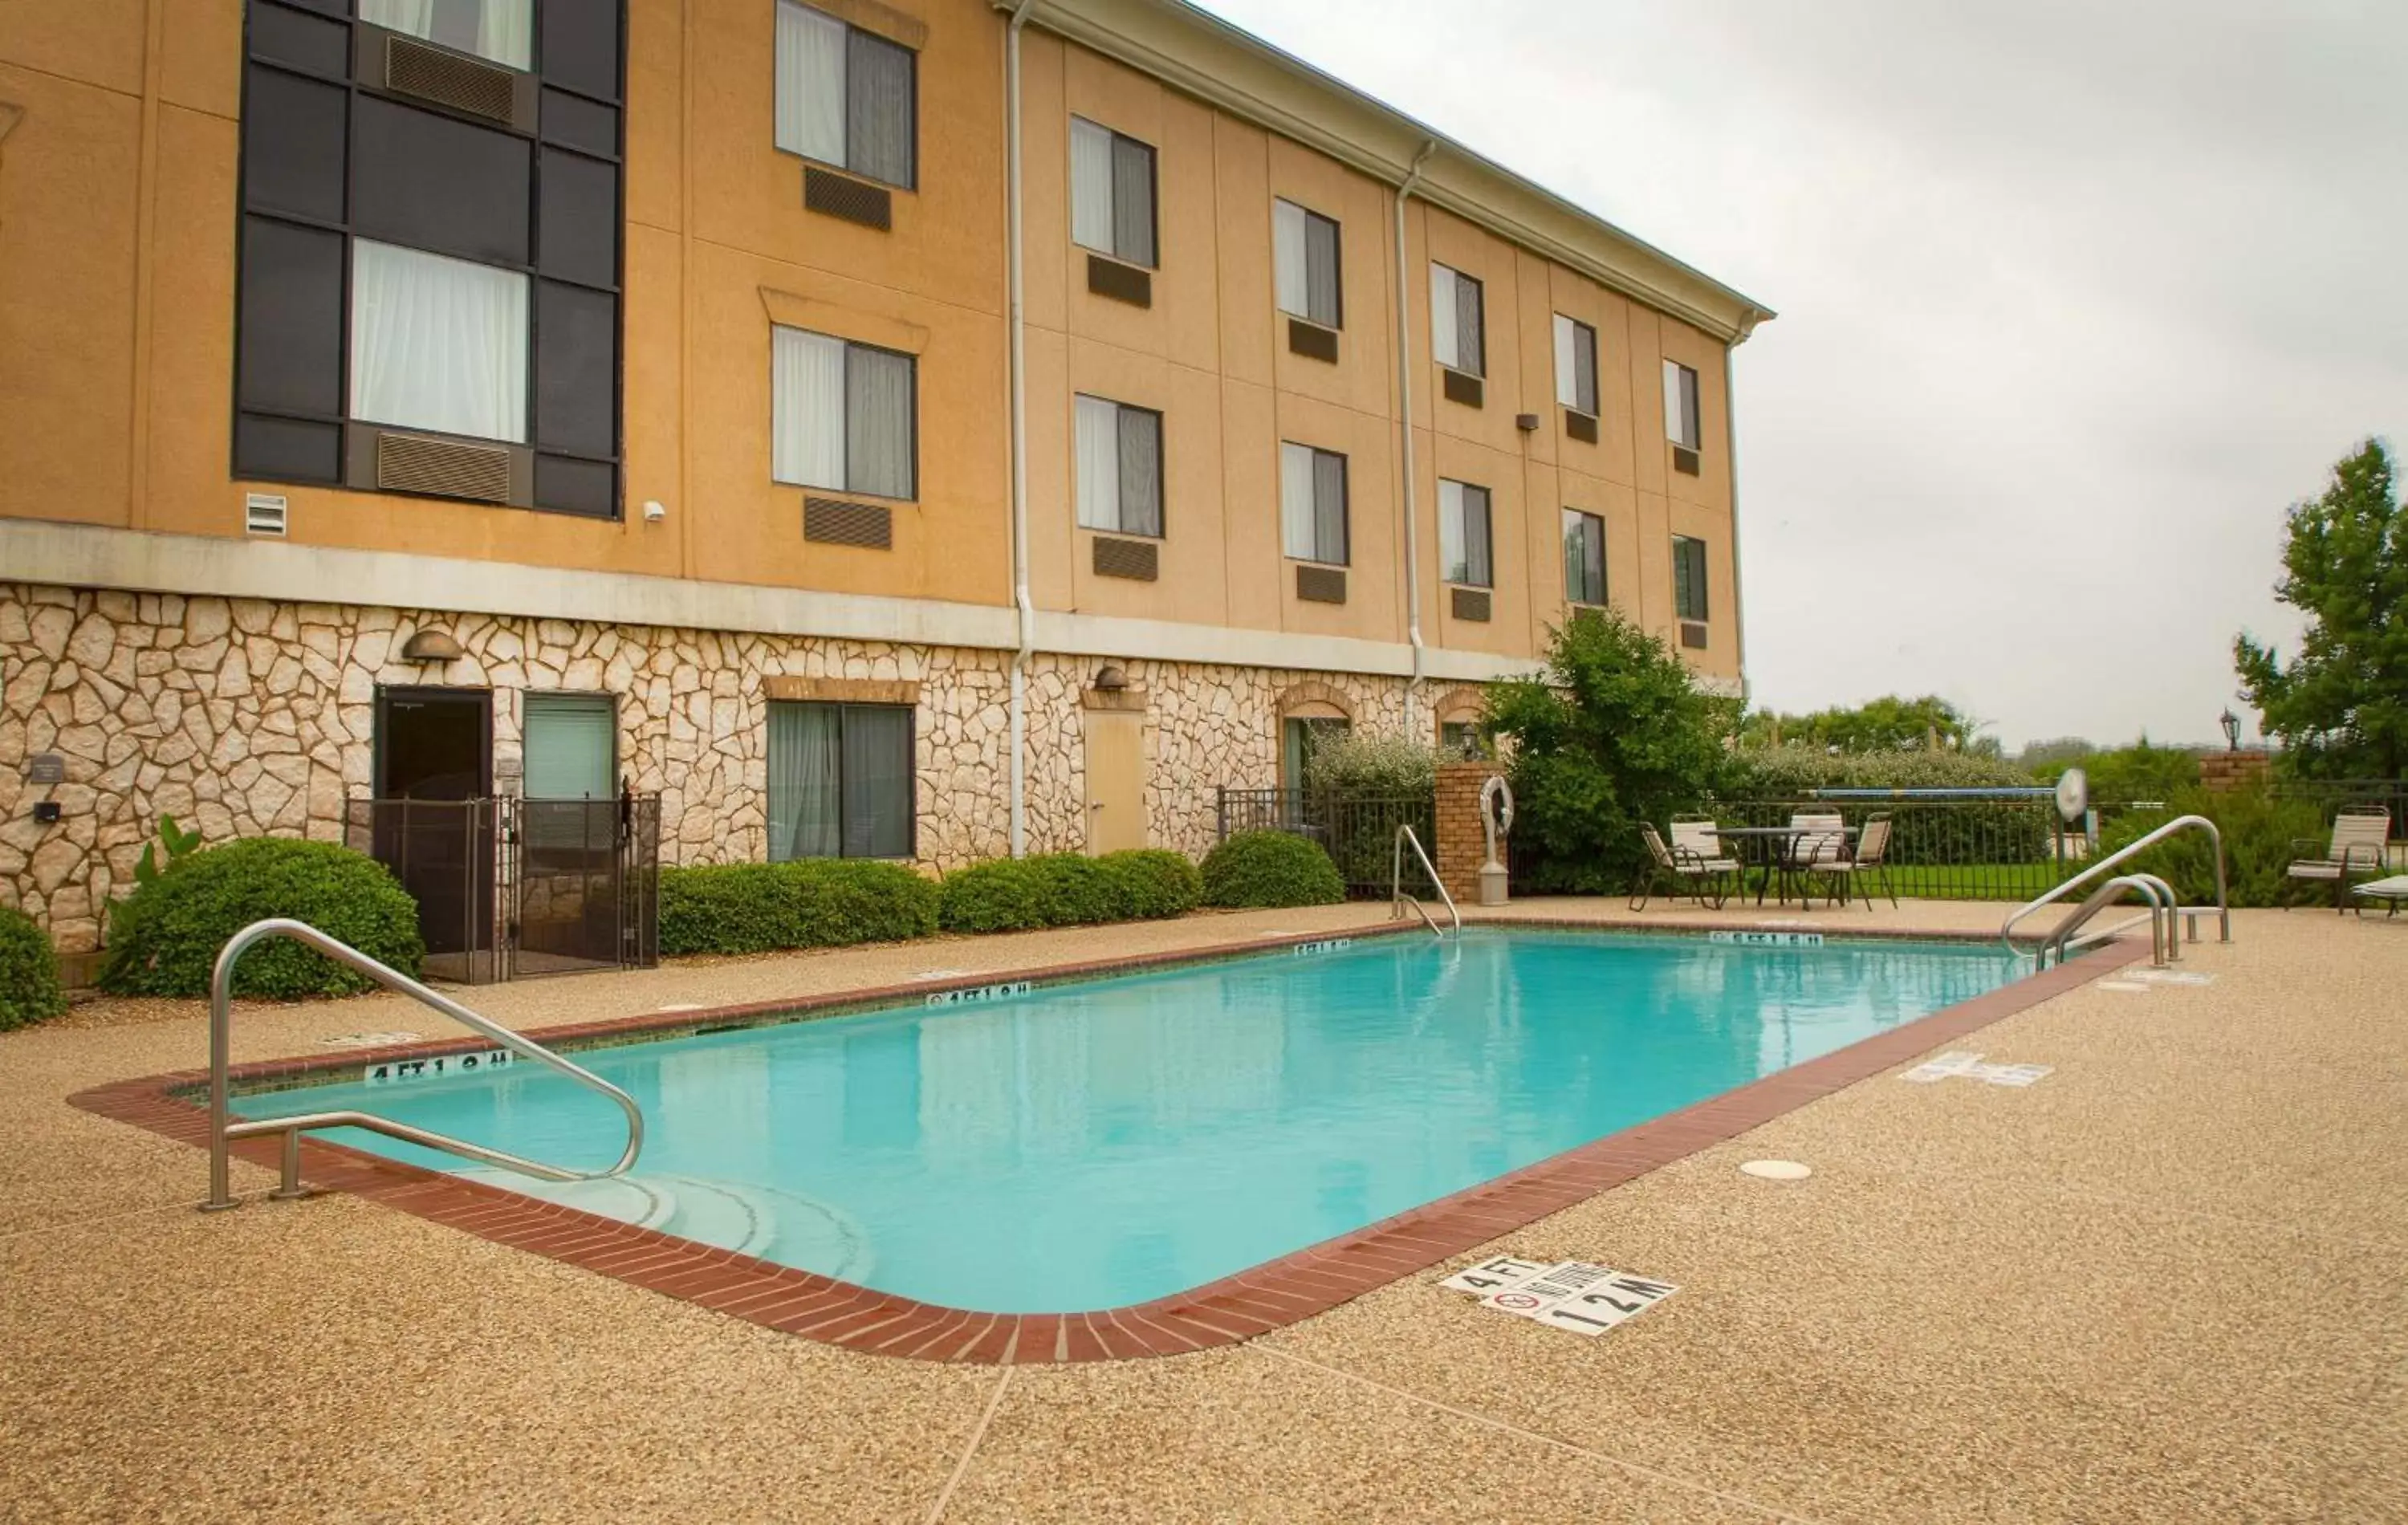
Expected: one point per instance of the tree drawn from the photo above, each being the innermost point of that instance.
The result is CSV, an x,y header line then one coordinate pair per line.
x,y
2341,705
1889,724
1613,733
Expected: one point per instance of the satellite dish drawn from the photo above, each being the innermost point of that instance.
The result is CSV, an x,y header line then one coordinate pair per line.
x,y
2072,794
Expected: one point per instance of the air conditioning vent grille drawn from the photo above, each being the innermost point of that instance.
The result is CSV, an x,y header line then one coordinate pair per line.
x,y
1311,341
1581,426
263,513
834,522
1321,585
1136,559
1471,604
446,78
1463,387
855,201
1693,634
1685,460
442,468
1121,283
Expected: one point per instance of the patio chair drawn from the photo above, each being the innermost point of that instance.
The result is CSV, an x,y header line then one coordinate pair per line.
x,y
1823,839
1854,868
1681,871
2360,837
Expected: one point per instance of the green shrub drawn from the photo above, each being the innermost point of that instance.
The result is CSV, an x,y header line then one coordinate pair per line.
x,y
1954,831
29,972
1153,883
1067,889
2138,772
2261,837
1372,767
1270,868
165,939
807,903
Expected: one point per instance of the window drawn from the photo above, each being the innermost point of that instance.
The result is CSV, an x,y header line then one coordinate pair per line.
x,y
1111,193
437,343
1303,736
1313,504
1304,245
1575,366
846,98
839,781
844,415
1120,468
1688,577
1455,322
500,30
572,746
1680,405
1584,557
1463,538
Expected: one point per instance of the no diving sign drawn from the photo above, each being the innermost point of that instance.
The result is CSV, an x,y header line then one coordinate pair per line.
x,y
1574,1295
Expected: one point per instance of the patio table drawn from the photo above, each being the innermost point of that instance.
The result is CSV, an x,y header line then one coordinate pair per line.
x,y
1779,845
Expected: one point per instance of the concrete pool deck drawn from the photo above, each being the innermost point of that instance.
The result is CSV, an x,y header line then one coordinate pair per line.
x,y
2165,1283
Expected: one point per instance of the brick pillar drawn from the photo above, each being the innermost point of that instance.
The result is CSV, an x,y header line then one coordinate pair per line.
x,y
1459,850
2224,771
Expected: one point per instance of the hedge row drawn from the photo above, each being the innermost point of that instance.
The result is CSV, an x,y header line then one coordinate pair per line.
x,y
809,903
1068,889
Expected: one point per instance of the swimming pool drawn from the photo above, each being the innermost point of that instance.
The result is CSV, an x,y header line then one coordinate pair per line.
x,y
1102,1143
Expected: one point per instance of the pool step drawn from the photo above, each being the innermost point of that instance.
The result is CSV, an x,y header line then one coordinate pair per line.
x,y
750,1219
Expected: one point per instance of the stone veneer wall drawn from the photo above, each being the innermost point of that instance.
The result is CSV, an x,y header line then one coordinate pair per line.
x,y
247,717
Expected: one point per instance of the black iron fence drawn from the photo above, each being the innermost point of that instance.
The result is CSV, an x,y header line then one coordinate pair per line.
x,y
2332,795
1359,832
2008,845
508,887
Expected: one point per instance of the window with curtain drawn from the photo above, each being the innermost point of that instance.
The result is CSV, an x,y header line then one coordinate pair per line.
x,y
1463,533
1304,247
1681,404
1688,577
571,744
842,416
502,31
1456,337
437,343
1313,504
1575,365
846,98
1111,193
840,781
1120,468
1584,557
1301,737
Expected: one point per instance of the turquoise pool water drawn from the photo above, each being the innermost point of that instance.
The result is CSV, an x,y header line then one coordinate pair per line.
x,y
1093,1145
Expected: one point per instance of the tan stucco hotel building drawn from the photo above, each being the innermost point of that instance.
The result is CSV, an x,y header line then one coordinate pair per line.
x,y
794,410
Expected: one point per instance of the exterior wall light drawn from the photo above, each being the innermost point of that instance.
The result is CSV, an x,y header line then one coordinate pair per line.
x,y
1109,679
431,646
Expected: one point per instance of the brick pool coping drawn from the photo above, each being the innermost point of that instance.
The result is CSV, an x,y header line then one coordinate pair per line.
x,y
1226,1311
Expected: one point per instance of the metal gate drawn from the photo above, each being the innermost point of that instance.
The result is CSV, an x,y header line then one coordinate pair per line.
x,y
508,887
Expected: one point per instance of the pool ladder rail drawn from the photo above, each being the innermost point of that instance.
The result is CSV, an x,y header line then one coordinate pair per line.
x,y
1398,899
2165,911
223,1130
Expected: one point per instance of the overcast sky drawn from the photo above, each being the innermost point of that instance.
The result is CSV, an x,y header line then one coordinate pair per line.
x,y
2075,300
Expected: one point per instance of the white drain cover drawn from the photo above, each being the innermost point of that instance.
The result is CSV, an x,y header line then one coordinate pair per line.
x,y
1777,1169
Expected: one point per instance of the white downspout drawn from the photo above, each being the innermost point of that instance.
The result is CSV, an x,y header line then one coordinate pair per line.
x,y
1730,452
1405,420
1024,610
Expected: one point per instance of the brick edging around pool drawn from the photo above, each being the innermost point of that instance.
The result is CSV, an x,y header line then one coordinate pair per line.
x,y
1221,1313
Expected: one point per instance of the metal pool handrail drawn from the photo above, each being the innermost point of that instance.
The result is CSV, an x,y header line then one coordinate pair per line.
x,y
2164,935
1398,899
223,1129
2223,905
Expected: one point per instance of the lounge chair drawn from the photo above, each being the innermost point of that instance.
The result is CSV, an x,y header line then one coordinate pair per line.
x,y
2361,835
1684,869
1869,858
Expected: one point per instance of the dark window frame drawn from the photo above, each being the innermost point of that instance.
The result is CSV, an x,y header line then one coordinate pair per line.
x,y
1591,525
1345,506
1692,405
1152,197
911,186
1161,468
539,144
1584,333
1488,535
912,465
911,773
1479,367
1337,253
1690,599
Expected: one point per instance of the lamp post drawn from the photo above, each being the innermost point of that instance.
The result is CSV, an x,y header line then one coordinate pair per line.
x,y
2231,724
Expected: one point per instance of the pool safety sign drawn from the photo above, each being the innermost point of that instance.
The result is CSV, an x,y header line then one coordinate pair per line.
x,y
1955,1064
981,992
1769,939
1574,1295
394,1071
